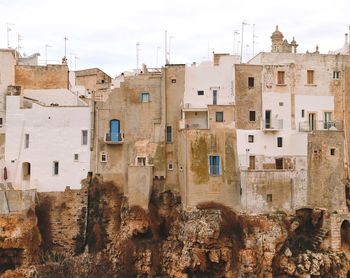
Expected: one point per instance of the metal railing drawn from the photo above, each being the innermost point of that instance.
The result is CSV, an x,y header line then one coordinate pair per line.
x,y
114,138
272,124
308,126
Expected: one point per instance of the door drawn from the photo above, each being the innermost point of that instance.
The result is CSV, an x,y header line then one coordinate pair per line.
x,y
215,97
312,121
115,130
327,120
267,118
251,162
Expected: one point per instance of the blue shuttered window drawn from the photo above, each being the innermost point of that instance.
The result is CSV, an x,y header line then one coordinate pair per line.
x,y
214,165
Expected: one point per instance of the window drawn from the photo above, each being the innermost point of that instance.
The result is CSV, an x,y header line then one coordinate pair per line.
x,y
280,103
269,198
336,75
141,161
250,82
219,116
170,167
103,157
214,165
250,138
145,97
200,93
332,151
84,137
169,134
279,163
310,77
173,80
279,142
252,116
302,113
280,78
55,168
76,157
1,122
26,141
327,120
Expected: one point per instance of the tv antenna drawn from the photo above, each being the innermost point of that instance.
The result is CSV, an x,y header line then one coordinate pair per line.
x,y
236,33
243,24
8,30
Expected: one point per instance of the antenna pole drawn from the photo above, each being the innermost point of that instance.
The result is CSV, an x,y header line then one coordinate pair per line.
x,y
8,30
254,41
65,47
166,47
236,33
137,55
243,23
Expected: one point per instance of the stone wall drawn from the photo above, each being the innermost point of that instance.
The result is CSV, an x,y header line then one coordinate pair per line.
x,y
15,201
326,172
248,98
42,77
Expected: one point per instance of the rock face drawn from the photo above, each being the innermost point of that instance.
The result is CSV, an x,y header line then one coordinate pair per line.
x,y
164,241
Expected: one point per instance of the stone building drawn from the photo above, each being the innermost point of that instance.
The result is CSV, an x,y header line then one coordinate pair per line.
x,y
284,101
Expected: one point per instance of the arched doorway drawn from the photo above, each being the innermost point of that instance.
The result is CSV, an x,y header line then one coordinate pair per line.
x,y
345,235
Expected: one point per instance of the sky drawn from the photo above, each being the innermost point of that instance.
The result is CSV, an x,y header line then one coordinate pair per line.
x,y
104,33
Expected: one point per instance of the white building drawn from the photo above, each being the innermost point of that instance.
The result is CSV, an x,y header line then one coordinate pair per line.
x,y
209,83
47,139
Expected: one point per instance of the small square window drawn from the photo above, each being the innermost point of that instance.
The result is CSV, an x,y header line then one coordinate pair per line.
x,y
252,116
250,82
219,116
269,198
173,80
200,93
170,167
336,75
76,157
141,161
145,97
250,138
279,163
280,103
103,157
279,142
332,151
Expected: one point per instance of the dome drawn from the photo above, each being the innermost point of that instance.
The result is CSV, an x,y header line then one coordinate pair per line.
x,y
277,34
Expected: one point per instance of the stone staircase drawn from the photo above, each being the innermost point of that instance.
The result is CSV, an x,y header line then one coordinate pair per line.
x,y
318,238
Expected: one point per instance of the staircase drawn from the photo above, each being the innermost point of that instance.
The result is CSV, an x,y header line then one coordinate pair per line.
x,y
318,238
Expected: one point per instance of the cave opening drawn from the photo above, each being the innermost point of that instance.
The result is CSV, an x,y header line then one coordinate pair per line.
x,y
10,258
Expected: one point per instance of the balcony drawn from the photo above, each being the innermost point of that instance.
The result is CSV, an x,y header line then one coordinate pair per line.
x,y
321,126
272,125
114,138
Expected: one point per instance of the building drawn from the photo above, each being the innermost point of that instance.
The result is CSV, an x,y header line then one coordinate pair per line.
x,y
47,139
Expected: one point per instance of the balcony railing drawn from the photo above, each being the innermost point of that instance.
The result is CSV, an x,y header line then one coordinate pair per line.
x,y
114,138
320,125
272,124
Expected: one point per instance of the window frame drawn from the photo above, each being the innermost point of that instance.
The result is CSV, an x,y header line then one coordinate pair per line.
x,y
251,82
54,168
310,77
214,165
250,116
281,77
167,133
103,154
200,92
26,140
143,98
336,75
279,142
76,157
217,119
84,139
250,138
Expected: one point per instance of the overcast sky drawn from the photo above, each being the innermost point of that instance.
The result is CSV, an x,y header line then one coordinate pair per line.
x,y
104,33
